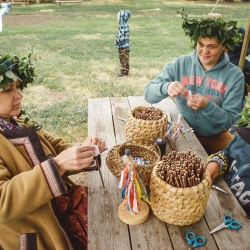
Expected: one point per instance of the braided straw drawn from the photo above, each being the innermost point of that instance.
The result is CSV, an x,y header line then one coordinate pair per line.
x,y
145,148
150,129
179,206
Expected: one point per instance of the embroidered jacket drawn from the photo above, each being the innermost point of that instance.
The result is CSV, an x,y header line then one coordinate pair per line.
x,y
27,186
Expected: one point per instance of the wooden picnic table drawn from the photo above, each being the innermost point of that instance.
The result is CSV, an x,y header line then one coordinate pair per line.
x,y
60,2
107,231
22,3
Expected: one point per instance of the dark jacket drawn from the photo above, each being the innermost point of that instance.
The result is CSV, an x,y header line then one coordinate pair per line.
x,y
234,163
234,57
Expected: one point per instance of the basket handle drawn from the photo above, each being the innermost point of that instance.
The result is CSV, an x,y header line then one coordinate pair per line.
x,y
153,145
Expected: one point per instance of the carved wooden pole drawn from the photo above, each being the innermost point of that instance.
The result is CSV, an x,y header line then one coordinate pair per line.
x,y
245,45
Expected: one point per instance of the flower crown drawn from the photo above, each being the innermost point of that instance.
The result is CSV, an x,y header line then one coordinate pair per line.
x,y
13,68
226,32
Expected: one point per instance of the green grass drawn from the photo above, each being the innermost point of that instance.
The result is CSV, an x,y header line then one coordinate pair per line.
x,y
77,58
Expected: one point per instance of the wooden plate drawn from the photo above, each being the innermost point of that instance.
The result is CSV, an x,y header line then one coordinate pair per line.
x,y
131,219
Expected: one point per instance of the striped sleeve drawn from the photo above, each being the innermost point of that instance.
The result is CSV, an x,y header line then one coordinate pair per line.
x,y
222,159
53,178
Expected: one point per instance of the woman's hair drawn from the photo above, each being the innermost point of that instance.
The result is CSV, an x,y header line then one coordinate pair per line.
x,y
225,32
224,50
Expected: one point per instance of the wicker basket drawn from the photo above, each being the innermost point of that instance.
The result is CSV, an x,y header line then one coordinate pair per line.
x,y
139,128
179,206
138,147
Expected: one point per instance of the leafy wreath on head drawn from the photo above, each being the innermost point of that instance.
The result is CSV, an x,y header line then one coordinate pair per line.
x,y
226,32
14,68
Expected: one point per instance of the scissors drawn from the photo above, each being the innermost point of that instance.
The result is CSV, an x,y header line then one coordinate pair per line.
x,y
124,120
195,241
219,189
228,222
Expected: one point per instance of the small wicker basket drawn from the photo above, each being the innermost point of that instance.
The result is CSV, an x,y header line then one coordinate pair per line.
x,y
138,147
179,206
139,128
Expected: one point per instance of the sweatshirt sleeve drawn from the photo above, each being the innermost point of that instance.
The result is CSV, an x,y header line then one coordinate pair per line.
x,y
226,115
223,158
156,90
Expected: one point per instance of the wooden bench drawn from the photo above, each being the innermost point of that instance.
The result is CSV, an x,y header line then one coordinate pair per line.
x,y
20,3
107,231
59,3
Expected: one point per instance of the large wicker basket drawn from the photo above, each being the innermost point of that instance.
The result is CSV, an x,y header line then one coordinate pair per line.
x,y
179,206
150,129
138,147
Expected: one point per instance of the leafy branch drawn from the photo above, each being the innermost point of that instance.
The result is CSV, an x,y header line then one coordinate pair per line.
x,y
245,115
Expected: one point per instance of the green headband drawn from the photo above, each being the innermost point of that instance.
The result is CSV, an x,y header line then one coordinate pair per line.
x,y
13,68
226,32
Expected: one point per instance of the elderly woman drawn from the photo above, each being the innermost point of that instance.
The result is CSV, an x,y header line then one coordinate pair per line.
x,y
36,196
208,89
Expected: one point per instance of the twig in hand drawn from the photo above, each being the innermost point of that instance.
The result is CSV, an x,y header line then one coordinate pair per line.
x,y
196,117
99,170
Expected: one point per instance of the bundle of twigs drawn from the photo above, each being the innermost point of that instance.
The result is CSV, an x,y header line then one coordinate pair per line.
x,y
181,169
148,113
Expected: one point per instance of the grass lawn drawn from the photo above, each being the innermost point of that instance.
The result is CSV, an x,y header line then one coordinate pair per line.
x,y
77,58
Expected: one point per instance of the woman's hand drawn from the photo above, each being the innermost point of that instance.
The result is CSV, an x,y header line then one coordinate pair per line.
x,y
94,139
75,158
196,101
176,88
214,169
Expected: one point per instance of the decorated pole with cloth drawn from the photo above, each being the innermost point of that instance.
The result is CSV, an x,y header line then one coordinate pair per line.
x,y
176,130
134,209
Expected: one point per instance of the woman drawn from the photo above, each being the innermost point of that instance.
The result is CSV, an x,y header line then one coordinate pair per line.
x,y
36,196
207,88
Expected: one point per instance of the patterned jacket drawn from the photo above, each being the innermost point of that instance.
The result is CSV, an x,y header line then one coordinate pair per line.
x,y
234,163
28,183
122,36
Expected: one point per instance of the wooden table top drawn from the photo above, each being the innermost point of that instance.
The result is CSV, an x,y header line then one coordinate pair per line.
x,y
107,232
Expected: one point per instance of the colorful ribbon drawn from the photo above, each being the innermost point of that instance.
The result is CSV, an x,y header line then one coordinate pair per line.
x,y
176,130
133,189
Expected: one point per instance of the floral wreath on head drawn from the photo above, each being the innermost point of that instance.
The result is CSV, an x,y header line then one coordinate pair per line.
x,y
226,32
14,68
